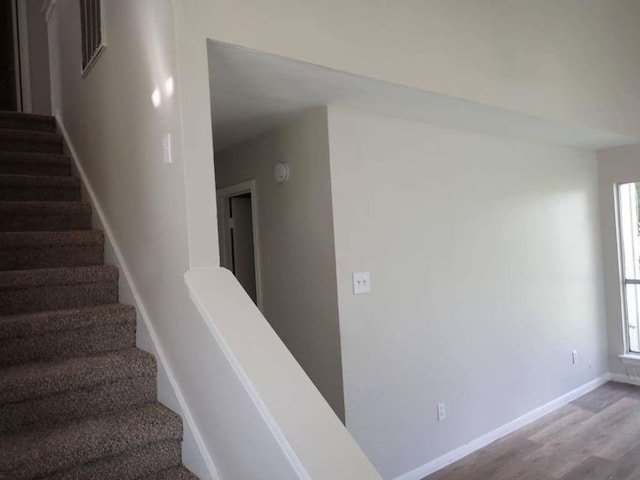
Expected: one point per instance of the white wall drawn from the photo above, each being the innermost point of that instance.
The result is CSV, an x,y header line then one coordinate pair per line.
x,y
485,258
295,225
568,60
617,165
555,59
117,134
38,58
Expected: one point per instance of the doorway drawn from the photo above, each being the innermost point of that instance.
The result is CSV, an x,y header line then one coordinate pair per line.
x,y
239,246
8,57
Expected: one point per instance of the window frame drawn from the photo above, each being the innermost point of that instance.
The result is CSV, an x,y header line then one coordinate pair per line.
x,y
97,52
623,280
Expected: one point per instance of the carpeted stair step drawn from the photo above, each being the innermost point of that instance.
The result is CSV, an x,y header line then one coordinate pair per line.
x,y
176,473
36,454
27,121
21,188
27,141
24,250
25,291
148,462
43,395
62,334
78,401
44,216
20,163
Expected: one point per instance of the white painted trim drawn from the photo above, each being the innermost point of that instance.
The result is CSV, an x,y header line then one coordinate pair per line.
x,y
266,415
233,190
25,62
142,311
630,359
47,7
103,42
96,55
480,442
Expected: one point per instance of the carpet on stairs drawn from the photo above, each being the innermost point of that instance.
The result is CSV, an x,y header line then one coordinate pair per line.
x,y
78,400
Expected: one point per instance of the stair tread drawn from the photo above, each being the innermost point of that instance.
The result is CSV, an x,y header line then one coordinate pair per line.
x,y
30,135
24,240
176,473
47,158
77,398
39,453
43,323
133,464
16,279
44,207
27,181
37,380
27,117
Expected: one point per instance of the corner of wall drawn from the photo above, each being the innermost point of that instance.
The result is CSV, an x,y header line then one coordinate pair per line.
x,y
500,432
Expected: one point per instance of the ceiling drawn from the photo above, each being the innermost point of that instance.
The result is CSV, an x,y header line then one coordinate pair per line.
x,y
253,92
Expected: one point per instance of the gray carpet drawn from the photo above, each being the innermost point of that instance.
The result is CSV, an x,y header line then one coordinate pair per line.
x,y
78,400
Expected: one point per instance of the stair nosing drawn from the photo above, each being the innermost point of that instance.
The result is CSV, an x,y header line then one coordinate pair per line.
x,y
33,278
39,205
36,380
27,116
31,135
43,240
38,181
57,321
35,157
87,440
181,469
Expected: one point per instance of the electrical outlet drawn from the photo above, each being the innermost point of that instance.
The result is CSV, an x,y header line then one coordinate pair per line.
x,y
442,411
574,357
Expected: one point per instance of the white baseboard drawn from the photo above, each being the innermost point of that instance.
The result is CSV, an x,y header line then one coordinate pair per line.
x,y
142,311
480,442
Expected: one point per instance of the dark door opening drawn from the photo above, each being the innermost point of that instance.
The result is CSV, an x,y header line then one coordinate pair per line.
x,y
241,242
8,84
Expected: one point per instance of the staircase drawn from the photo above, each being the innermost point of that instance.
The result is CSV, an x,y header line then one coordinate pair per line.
x,y
78,400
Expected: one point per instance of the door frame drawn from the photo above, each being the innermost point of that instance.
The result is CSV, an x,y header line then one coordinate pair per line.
x,y
22,66
223,194
23,72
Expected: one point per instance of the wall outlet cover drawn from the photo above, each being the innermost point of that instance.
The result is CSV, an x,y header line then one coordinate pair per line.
x,y
442,411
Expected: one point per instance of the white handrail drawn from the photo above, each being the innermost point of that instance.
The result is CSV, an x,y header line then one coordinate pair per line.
x,y
312,437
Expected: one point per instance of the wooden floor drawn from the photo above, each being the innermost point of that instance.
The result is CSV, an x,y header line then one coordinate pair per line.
x,y
597,437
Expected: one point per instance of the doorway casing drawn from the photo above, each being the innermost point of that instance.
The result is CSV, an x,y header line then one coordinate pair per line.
x,y
222,196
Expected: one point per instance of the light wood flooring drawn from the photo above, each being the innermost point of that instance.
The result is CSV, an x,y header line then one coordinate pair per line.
x,y
596,437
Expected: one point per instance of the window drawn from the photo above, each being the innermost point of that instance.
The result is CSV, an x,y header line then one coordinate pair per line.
x,y
628,215
92,34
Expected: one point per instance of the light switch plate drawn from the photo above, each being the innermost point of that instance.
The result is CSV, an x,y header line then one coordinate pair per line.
x,y
361,283
166,149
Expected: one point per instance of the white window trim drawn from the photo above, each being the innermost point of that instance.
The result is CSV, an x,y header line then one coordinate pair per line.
x,y
94,59
103,43
632,359
629,357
